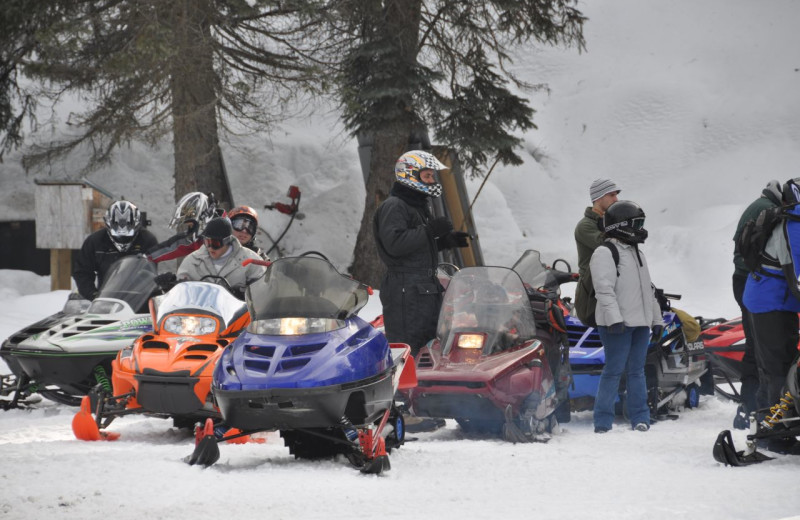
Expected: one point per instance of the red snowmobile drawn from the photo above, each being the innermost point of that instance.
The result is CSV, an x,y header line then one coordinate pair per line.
x,y
489,366
724,347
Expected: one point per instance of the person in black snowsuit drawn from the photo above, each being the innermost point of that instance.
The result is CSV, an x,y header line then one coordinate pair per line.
x,y
123,236
408,240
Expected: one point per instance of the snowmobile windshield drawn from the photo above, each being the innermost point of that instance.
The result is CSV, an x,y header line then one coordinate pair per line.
x,y
485,308
199,298
304,287
534,272
132,280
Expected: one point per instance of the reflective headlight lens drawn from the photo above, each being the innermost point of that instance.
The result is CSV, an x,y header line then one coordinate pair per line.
x,y
190,325
470,341
294,326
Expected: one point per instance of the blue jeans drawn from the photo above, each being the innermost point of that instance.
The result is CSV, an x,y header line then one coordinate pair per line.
x,y
624,352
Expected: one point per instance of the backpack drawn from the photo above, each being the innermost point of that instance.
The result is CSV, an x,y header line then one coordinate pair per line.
x,y
754,236
586,305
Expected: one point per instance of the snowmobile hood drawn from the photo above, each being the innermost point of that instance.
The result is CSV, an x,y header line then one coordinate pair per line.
x,y
353,353
727,334
86,333
435,367
194,356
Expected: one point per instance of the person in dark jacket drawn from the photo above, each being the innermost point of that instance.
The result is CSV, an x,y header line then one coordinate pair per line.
x,y
408,239
603,193
772,297
123,236
770,197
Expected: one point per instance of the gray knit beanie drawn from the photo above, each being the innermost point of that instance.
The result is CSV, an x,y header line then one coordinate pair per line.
x,y
602,187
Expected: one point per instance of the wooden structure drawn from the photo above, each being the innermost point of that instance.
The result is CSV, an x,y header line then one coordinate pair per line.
x,y
67,211
454,203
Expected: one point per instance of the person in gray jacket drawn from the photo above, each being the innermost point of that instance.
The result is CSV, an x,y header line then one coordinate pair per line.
x,y
626,310
221,256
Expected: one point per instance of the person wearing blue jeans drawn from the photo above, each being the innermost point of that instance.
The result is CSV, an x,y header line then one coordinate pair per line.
x,y
626,311
625,353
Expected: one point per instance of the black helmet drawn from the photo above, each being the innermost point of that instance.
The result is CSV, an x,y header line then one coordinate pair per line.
x,y
123,222
791,192
624,220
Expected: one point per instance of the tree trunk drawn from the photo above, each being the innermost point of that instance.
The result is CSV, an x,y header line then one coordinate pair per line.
x,y
388,145
198,159
402,19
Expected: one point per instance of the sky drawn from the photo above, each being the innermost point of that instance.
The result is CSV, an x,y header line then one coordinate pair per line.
x,y
691,107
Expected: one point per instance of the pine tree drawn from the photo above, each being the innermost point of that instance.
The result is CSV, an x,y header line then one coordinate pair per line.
x,y
188,69
440,67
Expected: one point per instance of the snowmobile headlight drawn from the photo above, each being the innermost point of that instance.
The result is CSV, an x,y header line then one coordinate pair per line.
x,y
190,325
293,326
470,340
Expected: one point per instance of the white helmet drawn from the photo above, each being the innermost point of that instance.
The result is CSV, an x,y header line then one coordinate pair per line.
x,y
192,213
408,166
123,222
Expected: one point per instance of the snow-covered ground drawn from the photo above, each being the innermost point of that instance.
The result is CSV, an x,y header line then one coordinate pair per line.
x,y
691,107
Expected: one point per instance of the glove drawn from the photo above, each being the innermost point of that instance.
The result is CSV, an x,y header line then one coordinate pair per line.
x,y
657,331
452,239
439,227
166,281
94,295
617,328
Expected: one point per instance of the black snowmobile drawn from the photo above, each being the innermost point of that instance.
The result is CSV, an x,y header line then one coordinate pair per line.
x,y
781,422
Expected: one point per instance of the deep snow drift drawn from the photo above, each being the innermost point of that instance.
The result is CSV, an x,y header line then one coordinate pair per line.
x,y
691,107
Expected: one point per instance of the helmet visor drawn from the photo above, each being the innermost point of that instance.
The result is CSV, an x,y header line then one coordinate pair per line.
x,y
637,223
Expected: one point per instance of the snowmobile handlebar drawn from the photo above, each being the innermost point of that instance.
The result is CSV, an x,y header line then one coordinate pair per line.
x,y
249,261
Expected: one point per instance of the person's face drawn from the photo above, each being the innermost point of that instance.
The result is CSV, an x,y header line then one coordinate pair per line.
x,y
606,200
427,176
215,248
242,236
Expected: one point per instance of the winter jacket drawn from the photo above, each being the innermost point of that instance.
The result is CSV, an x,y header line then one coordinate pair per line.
x,y
199,264
410,292
587,237
628,297
765,201
96,256
771,291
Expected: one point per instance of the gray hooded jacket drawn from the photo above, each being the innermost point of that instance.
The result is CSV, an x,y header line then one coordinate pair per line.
x,y
630,297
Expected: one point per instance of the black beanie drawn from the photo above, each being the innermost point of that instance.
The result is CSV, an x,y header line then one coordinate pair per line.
x,y
219,228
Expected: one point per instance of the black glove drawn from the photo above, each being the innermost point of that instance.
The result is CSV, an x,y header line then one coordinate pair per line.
x,y
657,331
166,281
94,295
617,328
452,239
439,227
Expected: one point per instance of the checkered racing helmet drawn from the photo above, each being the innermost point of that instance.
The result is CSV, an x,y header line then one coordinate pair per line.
x,y
408,166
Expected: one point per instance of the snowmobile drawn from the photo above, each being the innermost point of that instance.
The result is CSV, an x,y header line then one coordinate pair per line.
x,y
676,370
65,355
167,373
781,422
724,344
489,366
309,367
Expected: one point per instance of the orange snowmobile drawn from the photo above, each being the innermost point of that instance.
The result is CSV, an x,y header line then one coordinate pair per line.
x,y
167,373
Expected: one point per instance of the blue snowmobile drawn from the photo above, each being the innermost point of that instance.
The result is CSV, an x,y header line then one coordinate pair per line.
x,y
676,369
308,366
